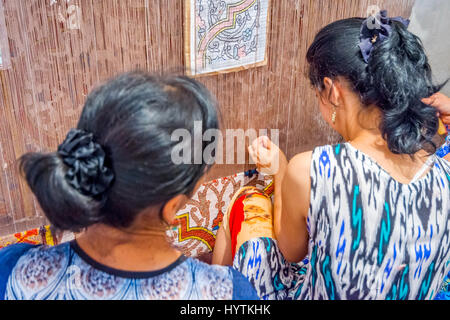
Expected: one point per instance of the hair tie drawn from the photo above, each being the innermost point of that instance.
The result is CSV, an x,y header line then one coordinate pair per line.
x,y
86,162
376,29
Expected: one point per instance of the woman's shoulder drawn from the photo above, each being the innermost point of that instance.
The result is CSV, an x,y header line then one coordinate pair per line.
x,y
223,280
25,258
329,149
13,252
319,153
41,257
38,256
8,260
22,253
204,269
319,162
38,253
444,164
298,169
302,162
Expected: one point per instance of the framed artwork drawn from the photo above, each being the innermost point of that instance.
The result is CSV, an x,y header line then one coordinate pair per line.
x,y
225,35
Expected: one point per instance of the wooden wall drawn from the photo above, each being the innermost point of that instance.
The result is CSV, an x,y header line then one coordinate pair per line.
x,y
54,67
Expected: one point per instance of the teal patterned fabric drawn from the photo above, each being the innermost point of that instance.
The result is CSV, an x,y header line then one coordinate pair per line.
x,y
371,237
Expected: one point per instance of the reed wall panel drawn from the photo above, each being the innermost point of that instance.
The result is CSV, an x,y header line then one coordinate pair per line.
x,y
53,67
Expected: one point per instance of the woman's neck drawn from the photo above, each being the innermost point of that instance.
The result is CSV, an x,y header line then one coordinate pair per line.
x,y
401,167
359,125
129,249
361,129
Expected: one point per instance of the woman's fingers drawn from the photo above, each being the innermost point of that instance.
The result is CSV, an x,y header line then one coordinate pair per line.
x,y
439,101
260,146
429,100
266,142
266,155
442,104
263,154
255,155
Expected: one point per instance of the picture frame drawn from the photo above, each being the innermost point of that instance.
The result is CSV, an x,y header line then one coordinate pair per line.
x,y
225,36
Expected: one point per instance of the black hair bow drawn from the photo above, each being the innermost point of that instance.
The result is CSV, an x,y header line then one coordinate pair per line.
x,y
376,29
86,162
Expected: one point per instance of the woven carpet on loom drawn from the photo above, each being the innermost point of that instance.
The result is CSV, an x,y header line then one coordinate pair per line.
x,y
197,222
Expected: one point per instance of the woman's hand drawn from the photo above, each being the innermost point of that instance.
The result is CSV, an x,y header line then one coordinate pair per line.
x,y
269,159
442,103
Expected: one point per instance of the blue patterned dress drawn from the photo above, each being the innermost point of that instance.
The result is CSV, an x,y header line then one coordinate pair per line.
x,y
371,237
65,272
445,149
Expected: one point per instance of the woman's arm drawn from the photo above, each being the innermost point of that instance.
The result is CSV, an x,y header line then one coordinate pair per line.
x,y
271,160
292,235
291,195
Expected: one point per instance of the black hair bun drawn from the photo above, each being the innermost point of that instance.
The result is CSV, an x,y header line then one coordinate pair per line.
x,y
85,160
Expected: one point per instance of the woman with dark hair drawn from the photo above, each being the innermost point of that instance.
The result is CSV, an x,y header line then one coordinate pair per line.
x,y
114,179
368,218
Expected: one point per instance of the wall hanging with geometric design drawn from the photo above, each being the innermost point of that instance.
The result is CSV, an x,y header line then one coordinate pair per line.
x,y
225,36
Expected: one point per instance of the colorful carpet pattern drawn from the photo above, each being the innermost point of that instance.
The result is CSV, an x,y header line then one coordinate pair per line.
x,y
197,222
200,219
34,236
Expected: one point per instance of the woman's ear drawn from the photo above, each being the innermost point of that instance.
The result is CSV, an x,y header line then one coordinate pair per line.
x,y
172,206
332,92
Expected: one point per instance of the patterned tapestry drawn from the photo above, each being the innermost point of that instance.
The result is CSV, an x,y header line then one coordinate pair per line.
x,y
225,35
